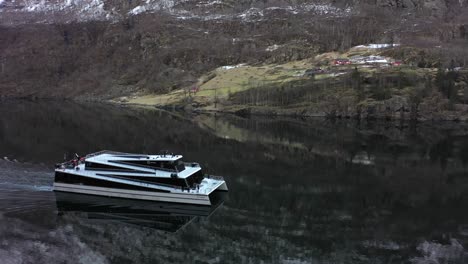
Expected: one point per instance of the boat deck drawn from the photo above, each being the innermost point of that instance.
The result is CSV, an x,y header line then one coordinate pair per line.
x,y
207,185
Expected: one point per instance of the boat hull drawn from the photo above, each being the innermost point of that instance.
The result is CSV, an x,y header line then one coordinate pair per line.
x,y
159,178
185,198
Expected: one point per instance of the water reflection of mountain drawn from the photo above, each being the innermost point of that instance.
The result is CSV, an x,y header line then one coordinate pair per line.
x,y
161,216
391,142
300,190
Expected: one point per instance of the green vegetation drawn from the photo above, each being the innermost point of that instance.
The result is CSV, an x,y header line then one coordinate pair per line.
x,y
317,87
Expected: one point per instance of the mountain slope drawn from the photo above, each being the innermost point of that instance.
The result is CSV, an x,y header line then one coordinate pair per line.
x,y
106,48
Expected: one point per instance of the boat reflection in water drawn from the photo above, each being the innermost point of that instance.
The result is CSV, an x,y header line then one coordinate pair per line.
x,y
168,217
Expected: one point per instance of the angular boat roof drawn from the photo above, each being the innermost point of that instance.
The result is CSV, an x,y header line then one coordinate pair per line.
x,y
109,155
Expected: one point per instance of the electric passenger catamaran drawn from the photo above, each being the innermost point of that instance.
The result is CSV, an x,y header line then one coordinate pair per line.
x,y
162,178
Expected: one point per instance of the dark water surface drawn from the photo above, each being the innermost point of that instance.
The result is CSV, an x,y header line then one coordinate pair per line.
x,y
301,191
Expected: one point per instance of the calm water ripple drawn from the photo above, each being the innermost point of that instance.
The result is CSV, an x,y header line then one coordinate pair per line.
x,y
301,191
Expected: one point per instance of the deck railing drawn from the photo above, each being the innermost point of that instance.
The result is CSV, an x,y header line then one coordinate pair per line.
x,y
104,152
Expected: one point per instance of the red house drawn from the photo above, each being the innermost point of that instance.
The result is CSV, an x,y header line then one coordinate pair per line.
x,y
194,89
341,62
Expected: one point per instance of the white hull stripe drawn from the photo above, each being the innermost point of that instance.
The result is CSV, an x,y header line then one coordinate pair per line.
x,y
129,182
140,195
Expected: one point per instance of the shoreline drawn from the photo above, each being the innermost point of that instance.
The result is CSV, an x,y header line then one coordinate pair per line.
x,y
314,87
249,111
273,112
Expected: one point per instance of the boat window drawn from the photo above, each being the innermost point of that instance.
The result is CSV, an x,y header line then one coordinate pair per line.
x,y
166,165
194,179
180,166
98,166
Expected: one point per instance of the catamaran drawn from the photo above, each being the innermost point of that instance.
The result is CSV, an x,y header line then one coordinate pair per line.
x,y
163,178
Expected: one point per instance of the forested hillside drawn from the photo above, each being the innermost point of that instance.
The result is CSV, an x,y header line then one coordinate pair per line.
x,y
103,49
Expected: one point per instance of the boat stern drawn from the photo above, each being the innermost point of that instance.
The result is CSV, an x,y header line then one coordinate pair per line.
x,y
223,187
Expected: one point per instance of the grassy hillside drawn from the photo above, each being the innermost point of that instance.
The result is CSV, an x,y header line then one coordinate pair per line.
x,y
318,87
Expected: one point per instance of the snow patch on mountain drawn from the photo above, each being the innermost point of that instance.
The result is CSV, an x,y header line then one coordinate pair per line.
x,y
158,5
255,14
84,10
313,8
42,5
376,46
76,9
251,14
324,9
151,6
137,10
211,3
273,47
230,67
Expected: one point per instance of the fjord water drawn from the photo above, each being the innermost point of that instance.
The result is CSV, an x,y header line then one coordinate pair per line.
x,y
301,191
